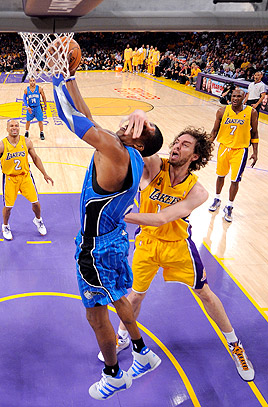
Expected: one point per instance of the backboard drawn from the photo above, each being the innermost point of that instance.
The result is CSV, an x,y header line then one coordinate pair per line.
x,y
129,15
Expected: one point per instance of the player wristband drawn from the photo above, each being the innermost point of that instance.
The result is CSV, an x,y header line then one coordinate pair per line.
x,y
25,100
71,78
254,140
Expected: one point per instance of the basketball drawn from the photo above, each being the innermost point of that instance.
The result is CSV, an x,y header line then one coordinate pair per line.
x,y
74,56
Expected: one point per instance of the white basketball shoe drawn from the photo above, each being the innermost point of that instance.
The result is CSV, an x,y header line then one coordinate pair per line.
x,y
40,226
108,385
7,232
143,362
242,363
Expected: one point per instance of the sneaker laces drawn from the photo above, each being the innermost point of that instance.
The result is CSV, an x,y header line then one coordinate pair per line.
x,y
7,229
102,382
239,352
229,210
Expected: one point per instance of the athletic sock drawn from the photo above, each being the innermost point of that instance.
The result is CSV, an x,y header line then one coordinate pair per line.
x,y
230,203
123,333
111,370
230,336
218,196
138,345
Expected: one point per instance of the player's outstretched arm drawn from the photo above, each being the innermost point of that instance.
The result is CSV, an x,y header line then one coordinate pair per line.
x,y
78,100
254,137
2,147
217,123
26,101
76,115
42,93
196,197
37,161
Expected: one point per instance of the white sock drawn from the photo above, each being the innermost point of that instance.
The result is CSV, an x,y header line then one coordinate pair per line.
x,y
218,196
230,203
230,336
123,333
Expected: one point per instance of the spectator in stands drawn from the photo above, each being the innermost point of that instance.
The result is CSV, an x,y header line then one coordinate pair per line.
x,y
184,74
228,88
236,75
227,72
195,70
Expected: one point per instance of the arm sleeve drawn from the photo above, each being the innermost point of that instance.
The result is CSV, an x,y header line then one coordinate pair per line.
x,y
25,99
76,121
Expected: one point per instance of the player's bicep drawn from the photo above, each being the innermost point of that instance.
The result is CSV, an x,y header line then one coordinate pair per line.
x,y
1,147
254,124
103,141
217,123
31,149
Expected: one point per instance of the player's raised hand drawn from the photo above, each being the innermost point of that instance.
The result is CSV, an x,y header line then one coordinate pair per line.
x,y
137,119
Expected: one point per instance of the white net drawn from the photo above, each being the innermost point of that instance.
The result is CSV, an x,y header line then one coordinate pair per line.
x,y
47,54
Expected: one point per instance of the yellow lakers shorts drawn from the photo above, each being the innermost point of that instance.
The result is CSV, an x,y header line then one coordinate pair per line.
x,y
236,159
24,184
180,261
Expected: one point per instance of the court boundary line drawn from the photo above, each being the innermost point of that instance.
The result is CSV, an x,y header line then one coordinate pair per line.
x,y
251,384
256,305
167,352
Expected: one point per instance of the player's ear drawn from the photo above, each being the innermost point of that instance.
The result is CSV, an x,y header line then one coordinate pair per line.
x,y
138,146
195,157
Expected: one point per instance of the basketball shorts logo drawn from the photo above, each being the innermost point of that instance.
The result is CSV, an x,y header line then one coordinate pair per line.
x,y
89,295
204,275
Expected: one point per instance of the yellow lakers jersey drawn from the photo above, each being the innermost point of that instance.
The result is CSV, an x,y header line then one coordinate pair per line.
x,y
155,57
235,128
14,160
128,54
158,195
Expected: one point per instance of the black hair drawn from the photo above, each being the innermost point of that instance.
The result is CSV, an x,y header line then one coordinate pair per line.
x,y
152,141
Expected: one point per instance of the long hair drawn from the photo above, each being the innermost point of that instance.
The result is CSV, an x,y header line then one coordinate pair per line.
x,y
203,146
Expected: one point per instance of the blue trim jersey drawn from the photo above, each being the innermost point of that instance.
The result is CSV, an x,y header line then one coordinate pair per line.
x,y
103,212
103,272
76,121
33,98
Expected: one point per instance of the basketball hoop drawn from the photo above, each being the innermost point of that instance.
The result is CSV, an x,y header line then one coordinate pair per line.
x,y
47,53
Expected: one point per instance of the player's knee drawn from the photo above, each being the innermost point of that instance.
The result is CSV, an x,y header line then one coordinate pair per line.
x,y
97,321
204,293
135,299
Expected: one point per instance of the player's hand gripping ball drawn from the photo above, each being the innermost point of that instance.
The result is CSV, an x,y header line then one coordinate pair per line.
x,y
73,56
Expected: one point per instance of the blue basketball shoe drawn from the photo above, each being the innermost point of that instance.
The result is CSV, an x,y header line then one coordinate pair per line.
x,y
143,362
228,213
108,385
215,205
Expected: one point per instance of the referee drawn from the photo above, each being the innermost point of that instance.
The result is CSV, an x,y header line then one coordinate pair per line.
x,y
256,92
